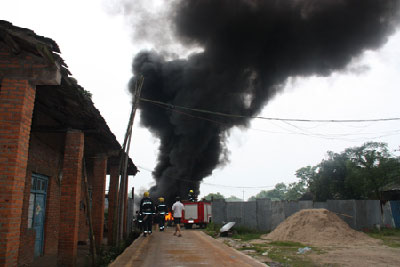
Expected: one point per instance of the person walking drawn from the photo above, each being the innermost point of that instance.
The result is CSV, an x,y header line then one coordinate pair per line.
x,y
162,211
147,209
177,209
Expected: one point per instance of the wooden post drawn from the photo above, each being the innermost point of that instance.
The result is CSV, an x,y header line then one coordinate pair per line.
x,y
123,164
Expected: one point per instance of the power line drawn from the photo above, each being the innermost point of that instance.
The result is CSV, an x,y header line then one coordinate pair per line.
x,y
211,184
171,106
303,132
240,187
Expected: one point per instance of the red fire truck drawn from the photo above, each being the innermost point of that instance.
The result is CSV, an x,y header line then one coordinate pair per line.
x,y
198,213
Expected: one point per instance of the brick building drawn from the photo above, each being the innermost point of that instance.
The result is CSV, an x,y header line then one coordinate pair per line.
x,y
49,129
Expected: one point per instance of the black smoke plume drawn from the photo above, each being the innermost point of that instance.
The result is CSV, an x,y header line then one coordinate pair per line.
x,y
250,48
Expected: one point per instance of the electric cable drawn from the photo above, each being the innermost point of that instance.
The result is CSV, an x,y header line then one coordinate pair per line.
x,y
288,131
286,121
264,118
211,184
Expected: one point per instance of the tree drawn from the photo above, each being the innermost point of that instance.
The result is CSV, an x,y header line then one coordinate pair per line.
x,y
295,191
233,199
214,196
278,193
306,174
356,173
371,167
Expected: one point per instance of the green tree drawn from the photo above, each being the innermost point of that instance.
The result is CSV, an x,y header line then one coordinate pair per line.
x,y
371,167
306,174
356,173
211,196
278,193
295,191
233,199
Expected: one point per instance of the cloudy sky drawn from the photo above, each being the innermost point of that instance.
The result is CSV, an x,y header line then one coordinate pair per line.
x,y
98,41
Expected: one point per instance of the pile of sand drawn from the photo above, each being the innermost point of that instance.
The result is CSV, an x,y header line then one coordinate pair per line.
x,y
318,227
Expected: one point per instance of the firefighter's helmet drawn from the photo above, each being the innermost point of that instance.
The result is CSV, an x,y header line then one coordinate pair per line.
x,y
190,191
146,194
161,199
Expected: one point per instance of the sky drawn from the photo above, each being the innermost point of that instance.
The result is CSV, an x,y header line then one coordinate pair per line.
x,y
98,44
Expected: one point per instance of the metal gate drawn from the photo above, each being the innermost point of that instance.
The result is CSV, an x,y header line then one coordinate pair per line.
x,y
395,206
37,210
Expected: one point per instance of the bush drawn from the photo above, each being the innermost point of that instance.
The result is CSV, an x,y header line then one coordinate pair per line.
x,y
212,229
109,255
245,234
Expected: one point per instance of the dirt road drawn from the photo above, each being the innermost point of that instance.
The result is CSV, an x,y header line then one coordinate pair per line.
x,y
194,248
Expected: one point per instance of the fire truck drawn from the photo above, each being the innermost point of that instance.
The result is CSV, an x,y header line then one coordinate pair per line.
x,y
198,213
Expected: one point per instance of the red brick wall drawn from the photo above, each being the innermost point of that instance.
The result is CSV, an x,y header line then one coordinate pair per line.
x,y
99,186
27,246
83,232
46,160
52,222
112,199
16,106
70,198
83,235
126,206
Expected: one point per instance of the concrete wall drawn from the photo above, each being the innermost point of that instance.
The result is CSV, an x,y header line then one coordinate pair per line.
x,y
218,211
250,214
266,215
345,209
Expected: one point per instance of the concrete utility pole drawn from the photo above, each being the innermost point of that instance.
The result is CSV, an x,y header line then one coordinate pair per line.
x,y
119,223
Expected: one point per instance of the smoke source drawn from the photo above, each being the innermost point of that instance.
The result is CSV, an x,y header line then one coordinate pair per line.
x,y
250,48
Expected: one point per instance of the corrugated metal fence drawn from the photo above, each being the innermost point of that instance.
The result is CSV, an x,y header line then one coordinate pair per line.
x,y
264,214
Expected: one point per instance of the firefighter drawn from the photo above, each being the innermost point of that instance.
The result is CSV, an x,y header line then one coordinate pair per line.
x,y
161,211
147,209
192,197
139,221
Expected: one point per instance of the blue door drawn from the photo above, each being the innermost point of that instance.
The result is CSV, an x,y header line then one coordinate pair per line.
x,y
395,206
38,210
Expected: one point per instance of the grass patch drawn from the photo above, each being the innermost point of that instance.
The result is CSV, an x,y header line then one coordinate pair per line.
x,y
107,256
389,236
238,232
246,234
282,252
289,257
286,244
212,229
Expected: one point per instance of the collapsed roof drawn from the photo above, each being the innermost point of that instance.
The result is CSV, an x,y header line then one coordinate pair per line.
x,y
68,105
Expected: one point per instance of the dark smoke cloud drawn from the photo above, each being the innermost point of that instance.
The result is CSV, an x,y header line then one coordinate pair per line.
x,y
151,21
250,48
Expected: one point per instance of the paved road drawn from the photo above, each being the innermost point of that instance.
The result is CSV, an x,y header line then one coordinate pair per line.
x,y
194,248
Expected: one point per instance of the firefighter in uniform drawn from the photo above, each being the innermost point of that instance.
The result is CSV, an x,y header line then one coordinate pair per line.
x,y
192,196
147,210
139,221
161,211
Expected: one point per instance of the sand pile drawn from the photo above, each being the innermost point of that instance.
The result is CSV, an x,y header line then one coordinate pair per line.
x,y
318,227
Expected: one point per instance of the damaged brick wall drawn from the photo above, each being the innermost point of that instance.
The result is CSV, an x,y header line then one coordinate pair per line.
x,y
16,106
44,160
